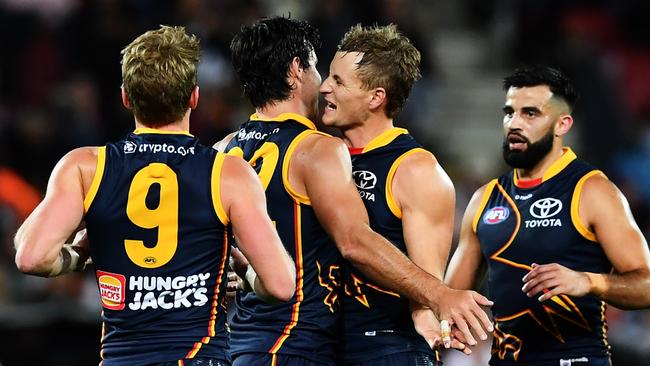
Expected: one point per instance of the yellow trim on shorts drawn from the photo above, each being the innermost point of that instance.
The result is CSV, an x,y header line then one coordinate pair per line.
x,y
390,199
99,173
301,198
575,208
486,196
215,183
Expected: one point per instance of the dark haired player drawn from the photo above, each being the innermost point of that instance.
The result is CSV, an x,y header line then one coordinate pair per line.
x,y
550,231
316,208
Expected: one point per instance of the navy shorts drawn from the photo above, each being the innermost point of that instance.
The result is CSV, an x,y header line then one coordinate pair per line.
x,y
267,359
400,359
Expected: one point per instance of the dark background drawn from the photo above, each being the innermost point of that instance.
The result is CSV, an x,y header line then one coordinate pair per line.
x,y
59,89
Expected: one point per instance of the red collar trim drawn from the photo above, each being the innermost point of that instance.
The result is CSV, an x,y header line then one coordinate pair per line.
x,y
355,150
529,183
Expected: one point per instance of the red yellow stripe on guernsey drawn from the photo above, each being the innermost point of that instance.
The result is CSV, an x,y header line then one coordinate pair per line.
x,y
295,312
215,302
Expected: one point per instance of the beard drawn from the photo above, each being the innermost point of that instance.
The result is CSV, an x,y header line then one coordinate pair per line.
x,y
534,153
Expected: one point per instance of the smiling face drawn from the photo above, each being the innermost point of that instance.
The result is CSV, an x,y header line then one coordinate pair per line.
x,y
530,120
345,98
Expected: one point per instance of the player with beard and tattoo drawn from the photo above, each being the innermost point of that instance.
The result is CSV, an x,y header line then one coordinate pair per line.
x,y
555,226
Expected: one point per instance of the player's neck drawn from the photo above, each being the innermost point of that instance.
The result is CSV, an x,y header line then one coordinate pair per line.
x,y
359,136
537,172
182,125
272,110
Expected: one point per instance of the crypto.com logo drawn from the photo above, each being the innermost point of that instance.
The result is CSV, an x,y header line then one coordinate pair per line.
x,y
130,147
364,179
545,208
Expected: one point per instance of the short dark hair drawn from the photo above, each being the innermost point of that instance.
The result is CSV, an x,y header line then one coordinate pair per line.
x,y
535,75
262,52
389,61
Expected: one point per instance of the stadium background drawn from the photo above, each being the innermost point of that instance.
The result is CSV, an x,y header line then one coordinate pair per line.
x,y
59,89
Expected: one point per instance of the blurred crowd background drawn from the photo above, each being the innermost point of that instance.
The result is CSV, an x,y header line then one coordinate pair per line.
x,y
59,89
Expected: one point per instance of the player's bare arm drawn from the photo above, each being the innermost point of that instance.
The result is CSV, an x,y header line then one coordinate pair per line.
x,y
467,266
274,275
426,197
605,211
330,186
40,241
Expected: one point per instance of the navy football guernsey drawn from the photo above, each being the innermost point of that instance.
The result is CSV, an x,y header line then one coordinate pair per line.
x,y
377,322
159,245
306,325
519,226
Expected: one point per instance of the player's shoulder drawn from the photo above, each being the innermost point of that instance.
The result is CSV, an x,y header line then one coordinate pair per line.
x,y
596,185
418,159
82,156
481,192
318,145
234,167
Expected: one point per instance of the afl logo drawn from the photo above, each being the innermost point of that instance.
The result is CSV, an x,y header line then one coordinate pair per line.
x,y
129,147
496,215
545,208
364,179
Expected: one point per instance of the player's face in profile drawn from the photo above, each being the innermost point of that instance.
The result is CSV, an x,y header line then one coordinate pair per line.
x,y
528,121
311,84
346,101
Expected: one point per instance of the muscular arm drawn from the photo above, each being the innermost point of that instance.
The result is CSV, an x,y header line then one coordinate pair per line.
x,y
604,209
425,195
340,210
427,199
466,266
40,240
274,275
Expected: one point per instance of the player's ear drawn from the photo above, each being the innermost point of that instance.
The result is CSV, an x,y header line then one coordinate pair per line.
x,y
125,99
295,69
563,125
194,98
377,98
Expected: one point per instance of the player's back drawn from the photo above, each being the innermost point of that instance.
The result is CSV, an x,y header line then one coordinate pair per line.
x,y
159,245
377,322
307,325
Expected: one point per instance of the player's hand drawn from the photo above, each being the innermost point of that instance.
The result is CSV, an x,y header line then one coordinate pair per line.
x,y
234,284
554,279
238,262
462,308
81,245
427,325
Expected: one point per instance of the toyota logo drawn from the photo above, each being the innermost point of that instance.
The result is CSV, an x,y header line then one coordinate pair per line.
x,y
545,208
364,179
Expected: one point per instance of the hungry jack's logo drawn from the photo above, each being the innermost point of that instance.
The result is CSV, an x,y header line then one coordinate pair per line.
x,y
111,289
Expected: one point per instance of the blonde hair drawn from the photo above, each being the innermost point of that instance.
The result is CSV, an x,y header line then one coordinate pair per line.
x,y
159,71
389,61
